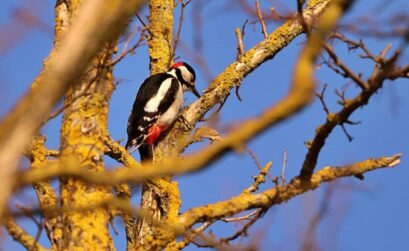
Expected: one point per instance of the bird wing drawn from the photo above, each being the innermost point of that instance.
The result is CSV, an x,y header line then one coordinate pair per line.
x,y
141,120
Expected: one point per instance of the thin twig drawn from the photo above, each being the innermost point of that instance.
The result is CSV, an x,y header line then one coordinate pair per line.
x,y
140,19
321,98
341,94
284,167
181,18
126,51
347,73
244,217
350,138
243,28
191,236
38,235
260,17
221,104
211,241
243,230
383,70
240,51
240,46
254,157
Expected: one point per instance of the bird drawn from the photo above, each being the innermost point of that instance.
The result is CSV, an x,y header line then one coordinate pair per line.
x,y
157,106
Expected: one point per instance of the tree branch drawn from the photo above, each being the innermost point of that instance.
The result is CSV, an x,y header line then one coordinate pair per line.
x,y
47,197
21,236
280,194
372,85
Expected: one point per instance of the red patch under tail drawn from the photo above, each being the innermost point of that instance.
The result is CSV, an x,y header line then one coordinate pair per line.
x,y
154,133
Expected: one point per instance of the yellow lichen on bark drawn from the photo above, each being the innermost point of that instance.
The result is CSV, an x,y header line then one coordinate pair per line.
x,y
47,198
161,38
81,136
83,128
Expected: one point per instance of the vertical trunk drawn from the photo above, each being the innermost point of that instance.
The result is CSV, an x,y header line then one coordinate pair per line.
x,y
83,125
160,196
161,30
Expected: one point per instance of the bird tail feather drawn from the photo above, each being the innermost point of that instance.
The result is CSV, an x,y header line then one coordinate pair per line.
x,y
146,152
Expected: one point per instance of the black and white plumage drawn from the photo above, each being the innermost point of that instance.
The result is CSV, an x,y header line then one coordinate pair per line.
x,y
157,106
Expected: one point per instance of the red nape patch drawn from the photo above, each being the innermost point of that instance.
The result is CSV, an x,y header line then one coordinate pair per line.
x,y
154,133
176,65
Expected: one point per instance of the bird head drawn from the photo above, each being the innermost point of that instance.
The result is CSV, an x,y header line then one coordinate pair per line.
x,y
186,76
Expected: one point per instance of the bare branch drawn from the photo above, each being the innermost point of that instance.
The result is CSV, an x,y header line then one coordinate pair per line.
x,y
140,19
240,46
382,71
347,73
244,217
282,177
260,17
177,37
125,50
321,98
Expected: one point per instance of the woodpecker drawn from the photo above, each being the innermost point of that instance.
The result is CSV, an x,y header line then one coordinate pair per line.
x,y
157,106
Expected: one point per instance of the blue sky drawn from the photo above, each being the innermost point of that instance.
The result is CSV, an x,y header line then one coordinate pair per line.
x,y
368,215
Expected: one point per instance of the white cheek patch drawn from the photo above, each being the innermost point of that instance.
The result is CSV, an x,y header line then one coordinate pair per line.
x,y
187,76
153,103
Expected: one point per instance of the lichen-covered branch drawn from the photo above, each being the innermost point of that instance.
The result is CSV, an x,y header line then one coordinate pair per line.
x,y
83,126
274,196
47,197
119,153
18,234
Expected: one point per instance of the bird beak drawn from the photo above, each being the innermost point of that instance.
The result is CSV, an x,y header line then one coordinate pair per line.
x,y
194,90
